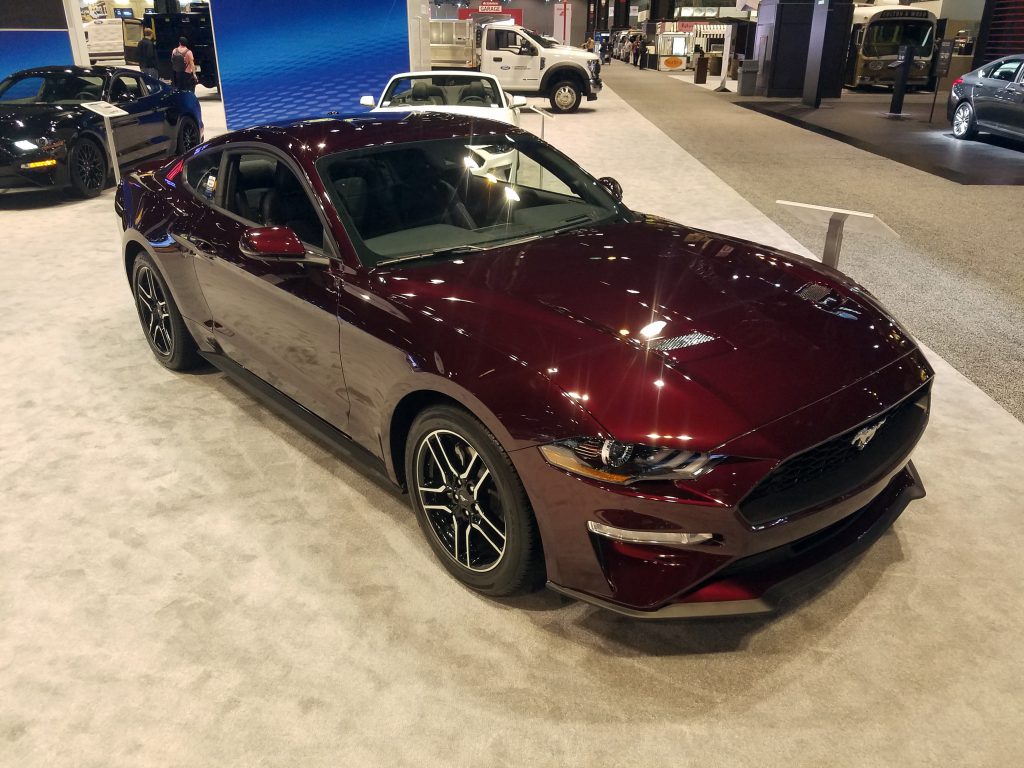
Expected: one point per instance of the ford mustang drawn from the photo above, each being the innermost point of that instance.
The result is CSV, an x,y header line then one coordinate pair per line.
x,y
650,417
47,138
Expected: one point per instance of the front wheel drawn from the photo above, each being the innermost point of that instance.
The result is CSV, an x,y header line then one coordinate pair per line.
x,y
565,96
471,504
964,124
87,168
170,340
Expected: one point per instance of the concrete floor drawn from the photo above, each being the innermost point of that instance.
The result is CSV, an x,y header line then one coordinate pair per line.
x,y
187,581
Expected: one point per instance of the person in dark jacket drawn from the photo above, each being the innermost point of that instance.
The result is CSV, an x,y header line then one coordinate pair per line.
x,y
147,54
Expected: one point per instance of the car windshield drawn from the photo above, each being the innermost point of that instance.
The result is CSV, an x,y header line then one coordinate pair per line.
x,y
422,197
54,88
884,38
443,90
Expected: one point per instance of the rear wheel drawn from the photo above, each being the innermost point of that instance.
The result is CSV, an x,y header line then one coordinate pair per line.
x,y
565,96
471,504
964,124
87,168
168,338
188,135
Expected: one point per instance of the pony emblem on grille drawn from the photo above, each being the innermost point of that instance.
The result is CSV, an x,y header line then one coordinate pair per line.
x,y
861,439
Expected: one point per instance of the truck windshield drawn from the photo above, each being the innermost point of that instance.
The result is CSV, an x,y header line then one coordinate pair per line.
x,y
467,192
540,40
884,38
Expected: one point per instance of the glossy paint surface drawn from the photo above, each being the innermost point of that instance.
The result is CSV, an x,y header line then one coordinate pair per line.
x,y
639,329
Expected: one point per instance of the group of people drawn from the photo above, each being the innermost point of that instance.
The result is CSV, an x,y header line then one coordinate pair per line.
x,y
183,62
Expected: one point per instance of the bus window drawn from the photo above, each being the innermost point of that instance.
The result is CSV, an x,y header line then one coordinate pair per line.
x,y
884,38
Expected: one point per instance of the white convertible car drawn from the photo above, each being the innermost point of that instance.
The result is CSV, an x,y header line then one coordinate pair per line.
x,y
461,93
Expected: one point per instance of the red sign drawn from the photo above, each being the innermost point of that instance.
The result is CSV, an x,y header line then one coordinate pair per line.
x,y
474,13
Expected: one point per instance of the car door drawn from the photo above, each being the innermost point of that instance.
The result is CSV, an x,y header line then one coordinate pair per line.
x,y
512,59
141,134
278,319
993,97
1014,121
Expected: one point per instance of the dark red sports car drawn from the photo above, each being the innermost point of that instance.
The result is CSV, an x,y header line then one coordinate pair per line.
x,y
656,419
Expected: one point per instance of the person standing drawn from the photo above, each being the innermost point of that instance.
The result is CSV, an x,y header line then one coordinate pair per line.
x,y
183,67
147,54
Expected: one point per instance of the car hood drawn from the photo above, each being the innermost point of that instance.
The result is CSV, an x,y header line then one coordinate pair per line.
x,y
659,330
21,121
568,52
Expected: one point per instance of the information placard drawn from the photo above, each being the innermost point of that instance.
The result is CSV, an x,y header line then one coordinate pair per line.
x,y
104,109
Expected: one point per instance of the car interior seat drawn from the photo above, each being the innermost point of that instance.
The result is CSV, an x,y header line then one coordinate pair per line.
x,y
473,94
424,94
286,204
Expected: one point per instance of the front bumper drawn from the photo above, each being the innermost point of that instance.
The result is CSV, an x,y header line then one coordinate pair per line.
x,y
756,584
14,176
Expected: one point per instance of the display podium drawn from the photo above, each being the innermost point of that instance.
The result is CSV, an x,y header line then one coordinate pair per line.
x,y
838,220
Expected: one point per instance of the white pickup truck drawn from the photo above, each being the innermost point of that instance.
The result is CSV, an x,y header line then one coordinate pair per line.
x,y
522,60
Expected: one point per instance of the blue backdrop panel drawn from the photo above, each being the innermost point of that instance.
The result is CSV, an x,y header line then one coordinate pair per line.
x,y
21,49
304,58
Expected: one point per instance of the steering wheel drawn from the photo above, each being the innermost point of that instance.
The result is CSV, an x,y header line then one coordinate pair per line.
x,y
84,95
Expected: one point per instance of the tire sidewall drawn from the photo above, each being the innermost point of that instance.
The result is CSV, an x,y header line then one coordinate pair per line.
x,y
182,123
970,130
183,350
522,542
76,184
576,90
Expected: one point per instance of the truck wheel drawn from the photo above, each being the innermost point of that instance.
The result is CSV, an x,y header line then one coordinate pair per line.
x,y
565,96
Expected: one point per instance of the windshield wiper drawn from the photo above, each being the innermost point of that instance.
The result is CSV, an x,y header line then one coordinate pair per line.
x,y
439,253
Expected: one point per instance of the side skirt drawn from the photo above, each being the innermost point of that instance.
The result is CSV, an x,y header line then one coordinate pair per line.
x,y
307,422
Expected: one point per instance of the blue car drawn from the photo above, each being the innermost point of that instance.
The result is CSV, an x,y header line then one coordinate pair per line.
x,y
48,139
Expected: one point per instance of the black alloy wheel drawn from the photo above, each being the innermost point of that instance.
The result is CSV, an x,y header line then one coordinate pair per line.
x,y
170,340
87,166
188,135
471,504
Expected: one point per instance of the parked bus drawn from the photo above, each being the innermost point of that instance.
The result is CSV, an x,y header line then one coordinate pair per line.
x,y
877,36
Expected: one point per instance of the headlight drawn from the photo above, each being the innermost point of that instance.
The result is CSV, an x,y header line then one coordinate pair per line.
x,y
625,463
45,143
26,146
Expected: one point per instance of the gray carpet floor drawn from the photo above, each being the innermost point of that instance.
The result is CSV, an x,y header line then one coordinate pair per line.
x,y
957,273
185,580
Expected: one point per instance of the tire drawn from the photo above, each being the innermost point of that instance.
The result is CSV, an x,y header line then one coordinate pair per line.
x,y
165,330
565,96
965,126
87,168
477,518
188,135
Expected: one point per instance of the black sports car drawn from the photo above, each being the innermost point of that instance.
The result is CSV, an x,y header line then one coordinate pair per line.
x,y
990,98
48,139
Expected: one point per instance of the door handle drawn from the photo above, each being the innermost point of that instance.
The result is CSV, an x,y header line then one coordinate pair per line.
x,y
497,58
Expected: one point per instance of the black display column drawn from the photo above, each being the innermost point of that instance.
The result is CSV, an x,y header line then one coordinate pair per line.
x,y
621,18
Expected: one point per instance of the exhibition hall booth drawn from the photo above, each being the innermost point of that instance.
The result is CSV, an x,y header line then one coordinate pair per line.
x,y
430,385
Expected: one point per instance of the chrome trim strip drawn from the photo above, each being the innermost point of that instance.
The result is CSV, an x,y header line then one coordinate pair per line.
x,y
673,610
647,537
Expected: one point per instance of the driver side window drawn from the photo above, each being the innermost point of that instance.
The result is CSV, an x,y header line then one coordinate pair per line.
x,y
1007,71
266,192
126,88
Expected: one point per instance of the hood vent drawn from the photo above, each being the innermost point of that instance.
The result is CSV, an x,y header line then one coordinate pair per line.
x,y
691,339
814,292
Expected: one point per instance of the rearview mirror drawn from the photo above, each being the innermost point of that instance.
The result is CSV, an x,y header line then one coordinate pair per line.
x,y
518,102
613,187
368,101
272,243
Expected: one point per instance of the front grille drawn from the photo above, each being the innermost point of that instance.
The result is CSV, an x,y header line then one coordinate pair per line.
x,y
838,467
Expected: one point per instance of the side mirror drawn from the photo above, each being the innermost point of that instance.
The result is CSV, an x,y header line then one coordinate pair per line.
x,y
527,50
368,101
518,102
613,187
272,243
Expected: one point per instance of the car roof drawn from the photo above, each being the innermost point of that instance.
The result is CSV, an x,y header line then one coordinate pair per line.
x,y
101,71
445,73
309,140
